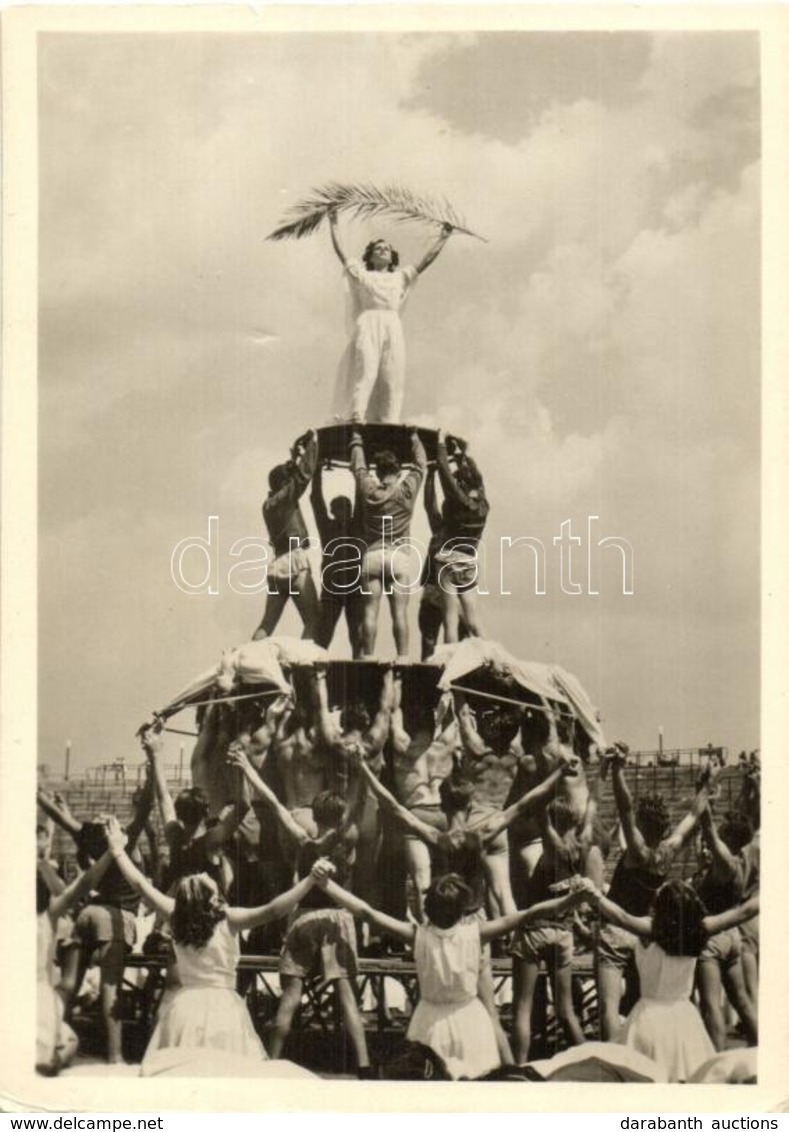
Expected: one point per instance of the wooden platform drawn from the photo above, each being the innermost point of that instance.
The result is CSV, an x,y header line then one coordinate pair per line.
x,y
319,1013
334,441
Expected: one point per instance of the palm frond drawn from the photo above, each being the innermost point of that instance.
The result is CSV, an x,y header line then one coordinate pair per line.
x,y
363,201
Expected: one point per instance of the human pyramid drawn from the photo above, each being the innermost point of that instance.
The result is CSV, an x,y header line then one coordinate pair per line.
x,y
443,805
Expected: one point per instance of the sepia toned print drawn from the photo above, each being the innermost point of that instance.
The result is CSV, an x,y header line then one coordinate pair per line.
x,y
399,494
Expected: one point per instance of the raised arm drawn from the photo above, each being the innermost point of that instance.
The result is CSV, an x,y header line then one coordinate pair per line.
x,y
335,238
504,924
150,893
448,482
376,737
142,810
418,453
59,812
242,919
419,828
639,925
431,503
328,730
401,740
722,856
398,928
80,887
319,508
537,798
432,252
237,756
152,745
671,845
732,916
624,807
469,736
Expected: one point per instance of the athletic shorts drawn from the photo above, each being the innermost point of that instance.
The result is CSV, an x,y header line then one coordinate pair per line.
x,y
749,936
554,945
615,947
433,816
101,923
723,947
379,563
321,942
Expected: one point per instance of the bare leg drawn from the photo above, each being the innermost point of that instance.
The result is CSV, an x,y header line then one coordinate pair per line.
x,y
329,615
353,1021
398,603
594,866
451,614
497,871
734,983
468,605
750,971
372,603
609,996
487,996
710,988
417,859
305,598
289,1003
111,965
275,604
526,975
565,1010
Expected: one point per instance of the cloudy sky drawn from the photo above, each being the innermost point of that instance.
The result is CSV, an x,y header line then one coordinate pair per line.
x,y
601,352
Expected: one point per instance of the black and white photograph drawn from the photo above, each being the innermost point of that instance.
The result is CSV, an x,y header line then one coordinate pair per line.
x,y
389,700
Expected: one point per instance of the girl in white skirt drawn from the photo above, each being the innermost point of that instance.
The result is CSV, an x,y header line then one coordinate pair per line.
x,y
664,1024
449,1018
205,1011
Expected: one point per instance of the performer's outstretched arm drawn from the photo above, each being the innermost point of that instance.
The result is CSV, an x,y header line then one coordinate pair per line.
x,y
431,254
335,239
237,756
419,828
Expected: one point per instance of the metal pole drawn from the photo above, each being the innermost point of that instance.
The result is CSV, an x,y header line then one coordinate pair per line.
x,y
68,759
660,739
180,764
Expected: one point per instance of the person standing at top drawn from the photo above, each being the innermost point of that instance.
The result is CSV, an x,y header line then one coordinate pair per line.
x,y
289,575
371,377
387,500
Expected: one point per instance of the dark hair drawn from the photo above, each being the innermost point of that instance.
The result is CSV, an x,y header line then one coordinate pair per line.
x,y
535,728
91,843
198,909
677,919
736,830
652,818
499,726
446,900
355,716
386,463
280,475
455,794
191,806
328,808
562,815
367,257
415,1062
341,507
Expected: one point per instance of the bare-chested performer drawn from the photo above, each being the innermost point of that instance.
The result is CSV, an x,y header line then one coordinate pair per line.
x,y
345,738
387,500
302,768
431,602
420,764
490,763
336,527
290,575
460,849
